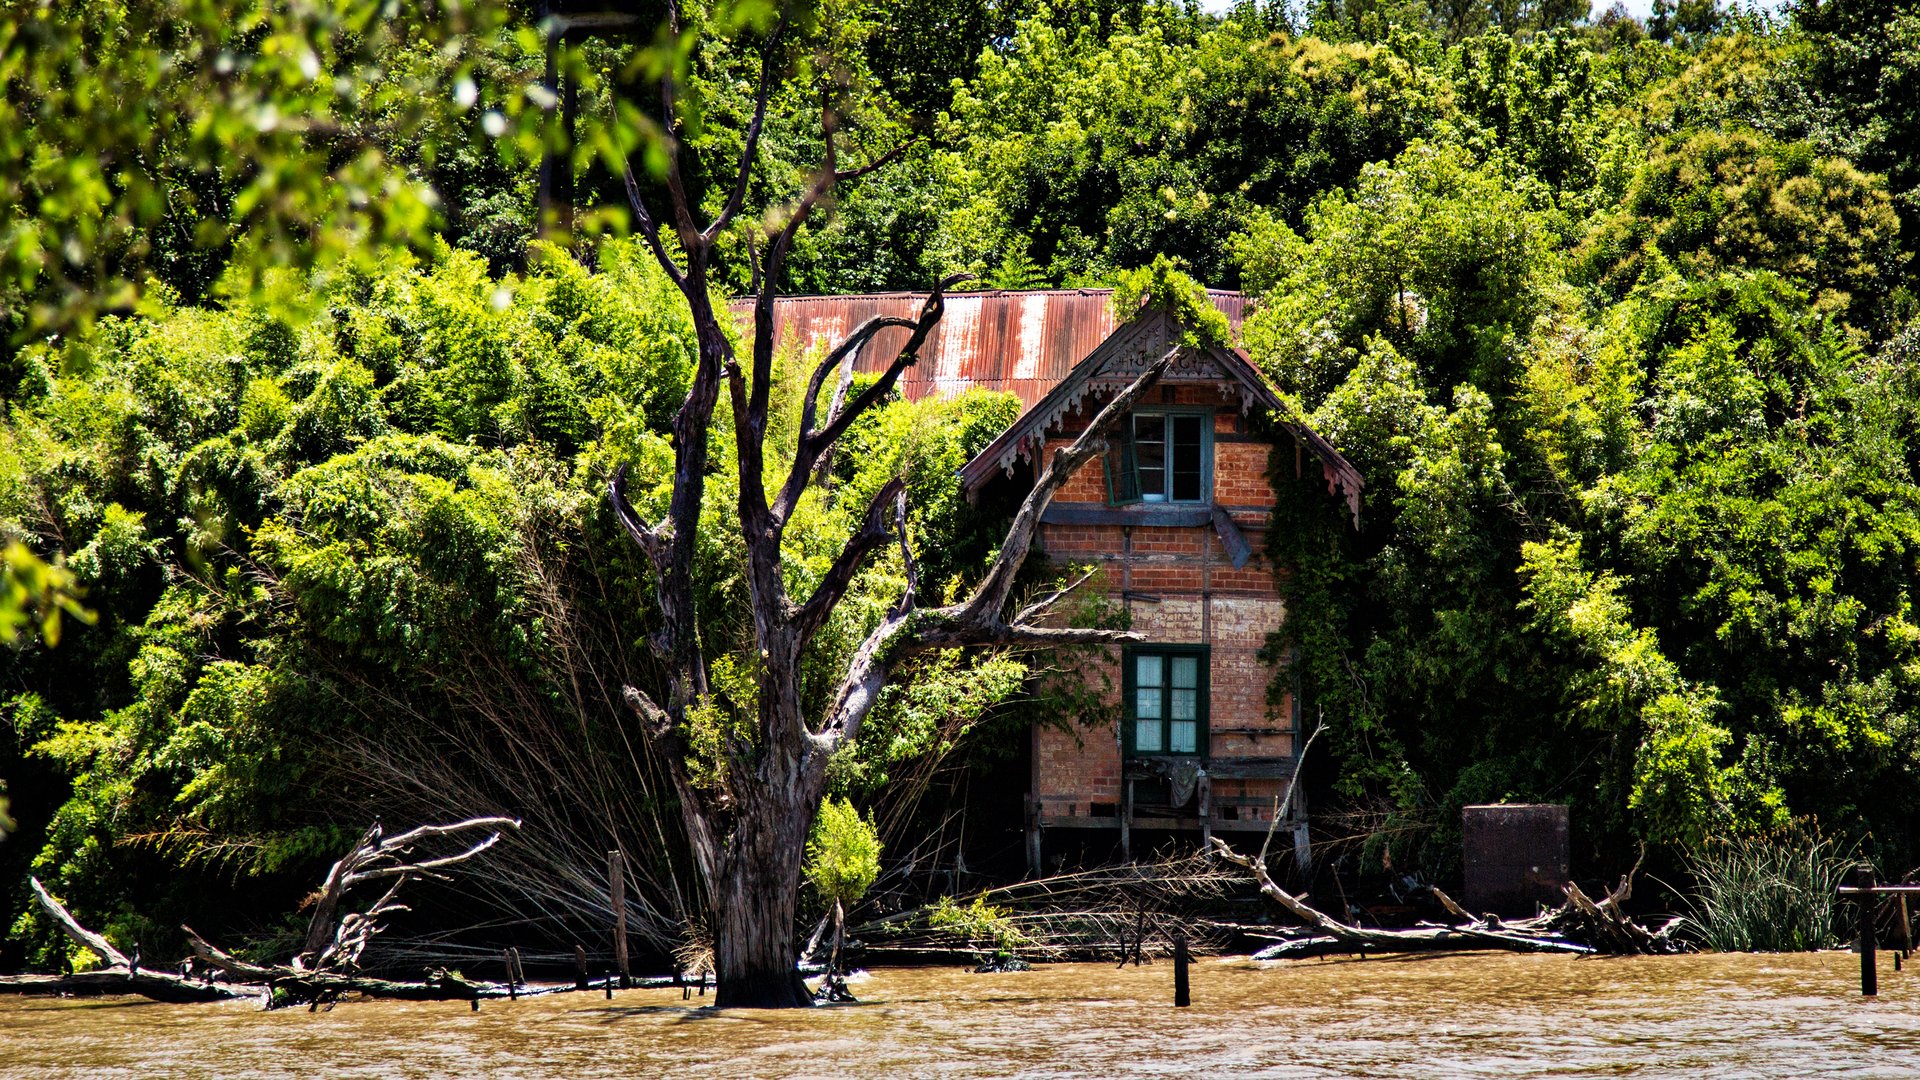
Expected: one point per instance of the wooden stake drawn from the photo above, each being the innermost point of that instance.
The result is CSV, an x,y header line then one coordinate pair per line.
x,y
513,989
1869,978
1181,995
579,968
519,969
617,879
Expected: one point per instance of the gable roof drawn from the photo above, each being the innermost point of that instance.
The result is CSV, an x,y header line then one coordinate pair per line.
x,y
1120,359
1021,342
1053,348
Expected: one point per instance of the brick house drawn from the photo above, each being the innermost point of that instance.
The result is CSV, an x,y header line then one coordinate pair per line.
x,y
1174,515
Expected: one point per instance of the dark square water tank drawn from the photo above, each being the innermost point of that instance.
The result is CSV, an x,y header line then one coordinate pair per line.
x,y
1516,857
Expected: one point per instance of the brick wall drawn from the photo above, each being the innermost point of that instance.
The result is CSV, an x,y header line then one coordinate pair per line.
x,y
1180,587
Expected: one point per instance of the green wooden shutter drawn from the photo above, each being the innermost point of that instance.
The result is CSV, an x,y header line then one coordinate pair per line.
x,y
1123,473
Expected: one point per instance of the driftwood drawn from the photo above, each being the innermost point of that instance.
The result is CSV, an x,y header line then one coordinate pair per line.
x,y
337,944
1580,926
160,986
1078,915
121,974
326,968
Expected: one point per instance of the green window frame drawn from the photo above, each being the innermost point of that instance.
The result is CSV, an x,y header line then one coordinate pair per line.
x,y
1161,456
1167,696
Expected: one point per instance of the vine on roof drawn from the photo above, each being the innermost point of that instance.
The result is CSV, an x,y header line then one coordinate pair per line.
x,y
1163,286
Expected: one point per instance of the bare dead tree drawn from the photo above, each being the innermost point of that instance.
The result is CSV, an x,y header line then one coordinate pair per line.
x,y
748,839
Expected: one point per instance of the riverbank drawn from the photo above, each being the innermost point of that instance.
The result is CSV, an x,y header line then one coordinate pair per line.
x,y
1451,1015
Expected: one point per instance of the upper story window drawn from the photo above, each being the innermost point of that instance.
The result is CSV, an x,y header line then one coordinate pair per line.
x,y
1162,455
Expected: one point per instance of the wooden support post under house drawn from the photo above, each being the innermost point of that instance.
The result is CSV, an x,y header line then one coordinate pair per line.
x,y
1034,864
1869,978
617,889
1205,798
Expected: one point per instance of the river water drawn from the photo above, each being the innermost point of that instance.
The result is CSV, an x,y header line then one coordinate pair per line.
x,y
1450,1015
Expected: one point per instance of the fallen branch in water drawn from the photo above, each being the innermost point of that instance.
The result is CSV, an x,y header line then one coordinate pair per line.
x,y
1579,926
121,975
327,968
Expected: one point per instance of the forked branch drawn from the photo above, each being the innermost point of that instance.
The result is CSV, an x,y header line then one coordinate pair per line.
x,y
378,857
813,443
980,620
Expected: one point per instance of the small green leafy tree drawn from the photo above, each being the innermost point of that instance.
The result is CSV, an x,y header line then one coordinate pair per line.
x,y
843,859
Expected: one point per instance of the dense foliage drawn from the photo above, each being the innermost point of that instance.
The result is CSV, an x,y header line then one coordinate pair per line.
x,y
1616,319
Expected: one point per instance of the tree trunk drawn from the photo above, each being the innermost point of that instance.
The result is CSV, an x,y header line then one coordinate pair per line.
x,y
755,954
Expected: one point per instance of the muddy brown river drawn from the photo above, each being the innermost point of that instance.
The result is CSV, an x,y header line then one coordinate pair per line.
x,y
1476,1015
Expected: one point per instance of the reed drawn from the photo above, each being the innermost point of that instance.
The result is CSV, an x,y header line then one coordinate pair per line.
x,y
1768,892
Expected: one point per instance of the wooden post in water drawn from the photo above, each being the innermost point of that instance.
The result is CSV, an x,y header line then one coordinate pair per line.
x,y
1869,978
519,969
1181,995
617,883
513,988
579,967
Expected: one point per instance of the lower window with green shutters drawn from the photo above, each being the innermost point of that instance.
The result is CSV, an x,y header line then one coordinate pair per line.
x,y
1166,699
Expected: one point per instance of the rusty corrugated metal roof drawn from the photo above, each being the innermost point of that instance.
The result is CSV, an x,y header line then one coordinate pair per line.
x,y
1023,342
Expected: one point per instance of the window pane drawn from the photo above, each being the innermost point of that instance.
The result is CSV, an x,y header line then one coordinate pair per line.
x,y
1184,705
1146,736
1186,671
1146,670
1185,734
1147,701
1150,452
1185,452
1123,476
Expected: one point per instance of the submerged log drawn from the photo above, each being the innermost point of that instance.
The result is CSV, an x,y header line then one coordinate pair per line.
x,y
158,986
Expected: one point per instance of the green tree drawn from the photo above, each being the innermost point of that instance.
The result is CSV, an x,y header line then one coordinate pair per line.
x,y
1717,200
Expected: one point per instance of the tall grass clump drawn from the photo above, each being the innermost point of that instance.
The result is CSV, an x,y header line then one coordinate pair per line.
x,y
1768,892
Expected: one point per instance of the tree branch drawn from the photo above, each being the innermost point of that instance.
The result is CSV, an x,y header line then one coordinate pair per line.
x,y
650,229
651,541
768,51
376,857
813,444
1040,607
810,403
912,594
908,631
990,598
701,837
881,162
873,532
98,945
690,237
